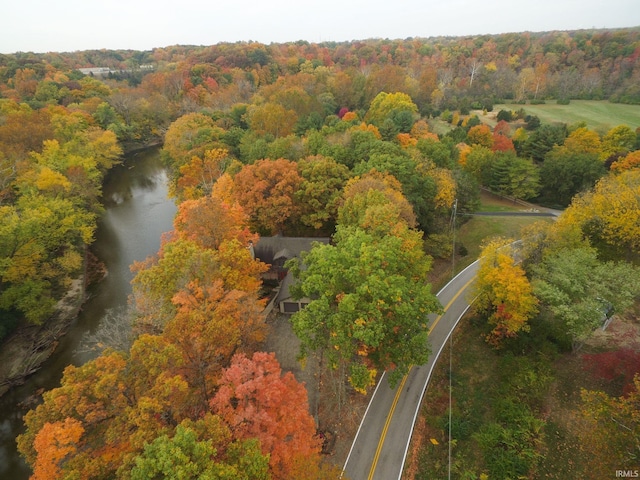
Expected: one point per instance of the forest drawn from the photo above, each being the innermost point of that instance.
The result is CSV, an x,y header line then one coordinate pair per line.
x,y
368,142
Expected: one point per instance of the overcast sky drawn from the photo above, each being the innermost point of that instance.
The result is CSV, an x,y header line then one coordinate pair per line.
x,y
69,25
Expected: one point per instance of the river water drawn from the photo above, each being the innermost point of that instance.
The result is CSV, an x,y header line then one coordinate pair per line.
x,y
138,212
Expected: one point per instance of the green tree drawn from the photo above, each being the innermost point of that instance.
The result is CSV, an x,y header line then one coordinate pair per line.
x,y
618,140
319,193
185,457
418,186
514,176
40,243
369,300
581,291
542,140
443,153
479,163
564,174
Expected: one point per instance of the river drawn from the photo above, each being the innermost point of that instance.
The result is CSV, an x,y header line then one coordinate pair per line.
x,y
137,213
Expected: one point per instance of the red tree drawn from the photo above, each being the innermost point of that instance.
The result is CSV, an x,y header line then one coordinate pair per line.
x,y
621,364
257,401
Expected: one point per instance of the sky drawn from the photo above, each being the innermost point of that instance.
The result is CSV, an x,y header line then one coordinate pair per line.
x,y
71,25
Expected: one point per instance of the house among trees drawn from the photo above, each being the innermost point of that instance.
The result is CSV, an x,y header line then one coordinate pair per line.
x,y
275,251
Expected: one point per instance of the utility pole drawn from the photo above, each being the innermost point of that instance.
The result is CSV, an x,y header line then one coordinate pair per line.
x,y
453,229
450,394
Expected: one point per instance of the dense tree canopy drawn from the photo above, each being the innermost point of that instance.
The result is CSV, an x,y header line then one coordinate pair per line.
x,y
369,297
298,138
582,291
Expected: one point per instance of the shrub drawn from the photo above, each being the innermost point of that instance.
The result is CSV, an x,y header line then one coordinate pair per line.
x,y
505,115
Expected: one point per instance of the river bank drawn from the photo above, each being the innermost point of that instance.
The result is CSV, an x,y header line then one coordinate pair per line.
x,y
26,349
137,213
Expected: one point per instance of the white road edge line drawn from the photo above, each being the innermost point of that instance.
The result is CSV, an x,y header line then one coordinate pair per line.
x,y
380,382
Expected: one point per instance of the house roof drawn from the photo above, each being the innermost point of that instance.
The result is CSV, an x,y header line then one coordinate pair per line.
x,y
269,249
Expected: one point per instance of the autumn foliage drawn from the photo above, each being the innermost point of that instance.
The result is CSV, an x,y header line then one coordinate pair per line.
x,y
200,322
503,292
329,138
617,365
609,428
266,191
258,401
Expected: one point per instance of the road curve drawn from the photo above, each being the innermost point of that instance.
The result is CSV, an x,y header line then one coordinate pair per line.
x,y
381,443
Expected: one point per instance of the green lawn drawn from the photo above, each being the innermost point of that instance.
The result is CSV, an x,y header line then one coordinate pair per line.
x,y
478,229
473,233
598,114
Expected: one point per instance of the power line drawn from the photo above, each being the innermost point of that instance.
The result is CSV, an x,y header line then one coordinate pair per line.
x,y
450,394
453,230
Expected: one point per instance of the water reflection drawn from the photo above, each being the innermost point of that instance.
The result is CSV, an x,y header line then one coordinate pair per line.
x,y
137,213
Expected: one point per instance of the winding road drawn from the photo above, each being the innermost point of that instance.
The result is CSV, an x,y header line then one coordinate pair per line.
x,y
380,446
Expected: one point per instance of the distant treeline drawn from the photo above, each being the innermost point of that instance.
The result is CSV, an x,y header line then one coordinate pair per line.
x,y
438,72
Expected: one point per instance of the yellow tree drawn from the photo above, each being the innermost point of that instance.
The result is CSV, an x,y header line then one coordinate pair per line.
x,y
197,177
583,140
272,118
398,108
618,140
503,292
445,184
372,188
190,135
610,214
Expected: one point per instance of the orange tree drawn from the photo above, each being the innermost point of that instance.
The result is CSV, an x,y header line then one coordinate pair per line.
x,y
266,190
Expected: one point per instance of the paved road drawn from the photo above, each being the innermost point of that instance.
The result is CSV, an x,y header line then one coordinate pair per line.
x,y
381,443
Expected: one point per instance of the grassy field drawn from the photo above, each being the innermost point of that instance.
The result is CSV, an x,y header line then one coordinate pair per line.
x,y
598,115
472,233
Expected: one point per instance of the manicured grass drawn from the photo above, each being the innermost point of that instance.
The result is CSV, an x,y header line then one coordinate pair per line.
x,y
473,233
599,115
439,127
478,229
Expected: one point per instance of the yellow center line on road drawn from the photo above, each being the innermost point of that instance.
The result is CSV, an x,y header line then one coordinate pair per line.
x,y
455,297
383,435
386,427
